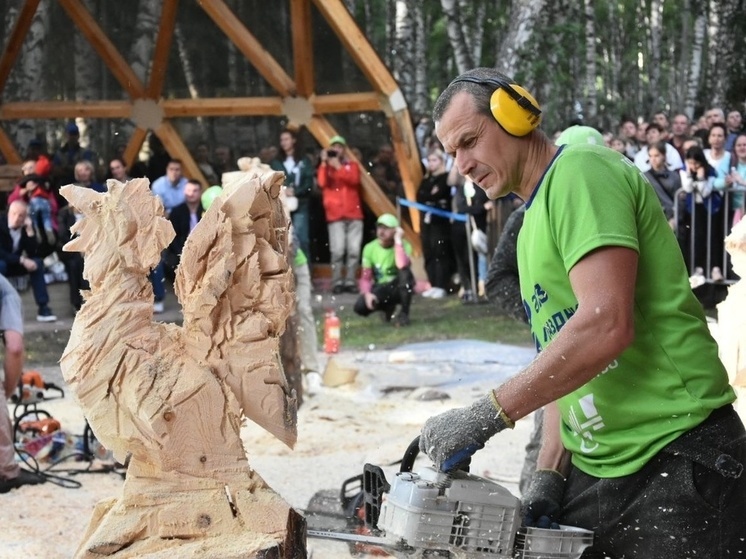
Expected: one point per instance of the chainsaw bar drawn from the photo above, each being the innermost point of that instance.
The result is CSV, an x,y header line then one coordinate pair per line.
x,y
357,538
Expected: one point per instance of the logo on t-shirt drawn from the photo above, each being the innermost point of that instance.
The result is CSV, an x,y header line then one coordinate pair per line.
x,y
585,421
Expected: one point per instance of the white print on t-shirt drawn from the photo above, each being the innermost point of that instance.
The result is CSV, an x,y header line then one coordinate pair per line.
x,y
592,421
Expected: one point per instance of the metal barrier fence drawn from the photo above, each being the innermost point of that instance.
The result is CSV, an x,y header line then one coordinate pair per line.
x,y
701,228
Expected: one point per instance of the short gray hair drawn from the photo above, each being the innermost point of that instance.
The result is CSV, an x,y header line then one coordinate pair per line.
x,y
481,92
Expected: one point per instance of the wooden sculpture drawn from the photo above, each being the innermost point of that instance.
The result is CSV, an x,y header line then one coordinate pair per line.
x,y
173,397
732,318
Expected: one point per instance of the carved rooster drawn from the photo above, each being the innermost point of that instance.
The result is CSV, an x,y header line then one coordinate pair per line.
x,y
174,397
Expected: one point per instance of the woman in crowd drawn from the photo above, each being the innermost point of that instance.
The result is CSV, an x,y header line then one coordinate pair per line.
x,y
435,192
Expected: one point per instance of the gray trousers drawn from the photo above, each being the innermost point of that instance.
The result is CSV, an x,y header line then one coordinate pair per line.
x,y
345,240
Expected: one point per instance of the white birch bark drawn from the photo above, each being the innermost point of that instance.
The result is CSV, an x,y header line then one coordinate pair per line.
x,y
143,37
591,106
87,70
456,36
27,81
520,29
654,64
695,63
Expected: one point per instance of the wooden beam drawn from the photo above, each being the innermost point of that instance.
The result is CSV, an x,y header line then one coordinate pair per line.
x,y
223,106
9,149
251,48
300,25
133,147
176,148
410,168
162,48
104,47
346,102
362,52
65,109
16,39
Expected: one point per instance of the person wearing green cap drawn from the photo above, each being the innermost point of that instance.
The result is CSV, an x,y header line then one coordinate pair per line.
x,y
386,280
339,181
641,442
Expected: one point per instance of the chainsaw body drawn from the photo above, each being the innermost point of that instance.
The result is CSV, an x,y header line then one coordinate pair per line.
x,y
471,514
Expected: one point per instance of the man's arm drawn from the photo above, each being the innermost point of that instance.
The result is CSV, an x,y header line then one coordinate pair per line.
x,y
601,328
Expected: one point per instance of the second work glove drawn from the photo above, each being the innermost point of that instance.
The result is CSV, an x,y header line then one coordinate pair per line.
x,y
543,499
449,439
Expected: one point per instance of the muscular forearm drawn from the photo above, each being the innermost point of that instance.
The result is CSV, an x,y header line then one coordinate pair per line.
x,y
584,347
599,331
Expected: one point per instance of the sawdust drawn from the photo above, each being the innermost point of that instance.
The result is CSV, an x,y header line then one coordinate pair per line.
x,y
339,430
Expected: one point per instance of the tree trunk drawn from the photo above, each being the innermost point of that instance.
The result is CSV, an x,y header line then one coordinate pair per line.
x,y
27,81
520,29
591,106
695,63
143,37
654,62
87,69
456,36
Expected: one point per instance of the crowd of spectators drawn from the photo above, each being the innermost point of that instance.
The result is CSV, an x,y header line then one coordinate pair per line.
x,y
697,168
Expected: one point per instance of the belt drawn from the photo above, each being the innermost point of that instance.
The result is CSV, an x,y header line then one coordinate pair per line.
x,y
694,445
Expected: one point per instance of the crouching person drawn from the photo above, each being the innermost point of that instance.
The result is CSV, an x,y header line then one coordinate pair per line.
x,y
386,279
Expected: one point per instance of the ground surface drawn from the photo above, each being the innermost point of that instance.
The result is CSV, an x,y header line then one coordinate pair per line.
x,y
371,420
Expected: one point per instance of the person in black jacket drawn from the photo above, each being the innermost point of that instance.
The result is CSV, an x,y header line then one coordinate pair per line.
x,y
18,255
184,219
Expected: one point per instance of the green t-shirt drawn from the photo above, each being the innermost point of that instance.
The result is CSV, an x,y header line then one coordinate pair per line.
x,y
670,378
382,260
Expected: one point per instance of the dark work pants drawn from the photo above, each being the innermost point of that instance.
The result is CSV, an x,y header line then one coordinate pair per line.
x,y
36,279
675,507
397,292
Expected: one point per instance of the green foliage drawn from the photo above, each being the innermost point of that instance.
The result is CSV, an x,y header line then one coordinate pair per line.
x,y
431,320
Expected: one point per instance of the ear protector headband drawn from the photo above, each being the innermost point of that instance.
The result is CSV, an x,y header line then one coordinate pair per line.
x,y
514,108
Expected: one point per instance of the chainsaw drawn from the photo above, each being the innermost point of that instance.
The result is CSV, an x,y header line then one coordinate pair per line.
x,y
447,515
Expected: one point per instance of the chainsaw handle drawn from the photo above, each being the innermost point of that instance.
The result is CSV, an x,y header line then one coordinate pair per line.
x,y
410,455
461,461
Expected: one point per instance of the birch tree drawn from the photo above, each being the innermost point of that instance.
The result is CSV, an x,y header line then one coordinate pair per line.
x,y
143,37
409,63
519,32
87,70
457,36
694,73
591,107
27,80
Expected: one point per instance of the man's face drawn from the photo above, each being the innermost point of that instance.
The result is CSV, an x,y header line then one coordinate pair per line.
x,y
734,120
17,215
483,151
716,138
652,135
629,129
661,120
222,154
680,125
385,235
192,193
173,172
714,115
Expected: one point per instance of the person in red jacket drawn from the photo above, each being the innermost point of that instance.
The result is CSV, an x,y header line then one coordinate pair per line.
x,y
339,180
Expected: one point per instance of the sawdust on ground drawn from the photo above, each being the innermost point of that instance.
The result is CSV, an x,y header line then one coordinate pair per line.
x,y
371,420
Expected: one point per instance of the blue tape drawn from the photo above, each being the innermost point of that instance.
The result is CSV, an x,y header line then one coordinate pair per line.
x,y
432,210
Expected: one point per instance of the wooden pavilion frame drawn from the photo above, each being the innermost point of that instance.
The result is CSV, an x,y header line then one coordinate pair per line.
x,y
296,98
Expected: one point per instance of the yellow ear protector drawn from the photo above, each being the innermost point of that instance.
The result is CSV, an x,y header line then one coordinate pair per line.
x,y
514,108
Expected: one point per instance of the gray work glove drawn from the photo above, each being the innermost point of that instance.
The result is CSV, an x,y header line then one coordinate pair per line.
x,y
450,439
542,501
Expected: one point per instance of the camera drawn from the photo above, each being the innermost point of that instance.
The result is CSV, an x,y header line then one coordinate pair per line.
x,y
332,153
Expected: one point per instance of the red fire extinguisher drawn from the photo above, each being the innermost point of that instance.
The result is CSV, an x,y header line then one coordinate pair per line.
x,y
332,332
